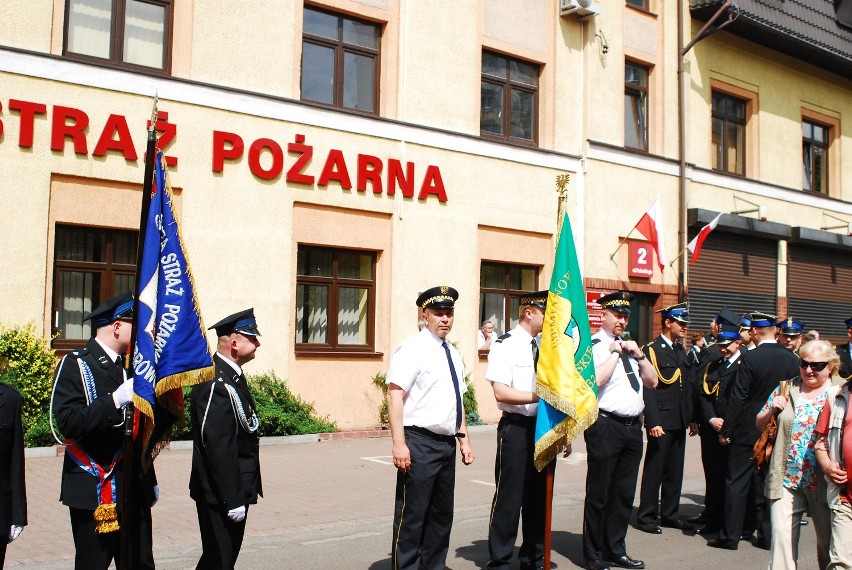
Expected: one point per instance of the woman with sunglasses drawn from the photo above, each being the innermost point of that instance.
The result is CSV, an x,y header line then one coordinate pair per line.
x,y
794,482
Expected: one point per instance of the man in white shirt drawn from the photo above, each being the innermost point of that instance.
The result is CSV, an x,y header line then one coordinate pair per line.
x,y
485,336
520,487
426,415
614,441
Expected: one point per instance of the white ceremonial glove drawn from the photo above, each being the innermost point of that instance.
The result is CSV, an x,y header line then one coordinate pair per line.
x,y
156,495
238,514
15,532
123,395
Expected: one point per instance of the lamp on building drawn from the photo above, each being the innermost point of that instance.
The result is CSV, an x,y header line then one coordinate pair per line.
x,y
756,209
845,224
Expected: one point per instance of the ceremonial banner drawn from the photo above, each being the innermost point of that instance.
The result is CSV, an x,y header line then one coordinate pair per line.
x,y
171,348
565,376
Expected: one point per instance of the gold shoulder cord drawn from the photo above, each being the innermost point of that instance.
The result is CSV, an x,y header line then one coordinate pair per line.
x,y
675,377
707,389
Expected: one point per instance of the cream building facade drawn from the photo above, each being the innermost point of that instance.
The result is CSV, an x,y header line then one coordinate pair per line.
x,y
333,159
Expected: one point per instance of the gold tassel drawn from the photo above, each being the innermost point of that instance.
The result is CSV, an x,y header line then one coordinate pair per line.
x,y
107,518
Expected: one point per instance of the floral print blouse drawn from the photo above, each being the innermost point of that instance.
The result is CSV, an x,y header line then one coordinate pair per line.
x,y
800,465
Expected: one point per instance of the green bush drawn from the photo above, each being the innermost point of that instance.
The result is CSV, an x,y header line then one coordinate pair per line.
x,y
379,383
26,364
279,411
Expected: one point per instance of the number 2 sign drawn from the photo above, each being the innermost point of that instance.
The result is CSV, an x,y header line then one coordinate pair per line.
x,y
641,257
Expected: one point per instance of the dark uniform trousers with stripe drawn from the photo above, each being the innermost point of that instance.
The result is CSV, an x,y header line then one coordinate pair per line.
x,y
520,492
614,447
423,513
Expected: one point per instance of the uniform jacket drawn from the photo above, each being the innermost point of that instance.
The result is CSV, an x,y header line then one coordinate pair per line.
x,y
13,494
760,371
225,456
97,426
714,389
669,405
845,361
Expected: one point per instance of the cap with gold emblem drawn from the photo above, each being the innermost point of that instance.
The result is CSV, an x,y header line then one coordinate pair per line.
x,y
242,322
441,297
536,299
679,313
789,327
618,301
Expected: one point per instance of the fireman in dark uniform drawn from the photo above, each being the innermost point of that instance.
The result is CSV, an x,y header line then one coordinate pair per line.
x,y
668,410
845,352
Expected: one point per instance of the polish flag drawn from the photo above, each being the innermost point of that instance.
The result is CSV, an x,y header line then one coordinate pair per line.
x,y
651,226
694,246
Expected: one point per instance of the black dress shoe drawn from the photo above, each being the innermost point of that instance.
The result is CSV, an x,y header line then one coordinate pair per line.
x,y
746,536
709,529
650,528
596,565
697,519
763,544
626,562
722,544
676,523
803,522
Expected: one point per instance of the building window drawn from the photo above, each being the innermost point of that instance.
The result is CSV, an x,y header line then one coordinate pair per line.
x,y
815,140
335,299
90,266
509,98
729,124
126,32
635,106
340,61
642,4
501,286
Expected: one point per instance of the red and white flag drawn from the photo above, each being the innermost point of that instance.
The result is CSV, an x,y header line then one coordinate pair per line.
x,y
694,246
651,226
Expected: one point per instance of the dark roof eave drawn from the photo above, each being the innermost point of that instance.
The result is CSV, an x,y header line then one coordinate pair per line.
x,y
779,40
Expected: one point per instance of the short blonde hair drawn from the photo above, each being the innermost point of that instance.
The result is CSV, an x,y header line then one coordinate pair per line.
x,y
826,351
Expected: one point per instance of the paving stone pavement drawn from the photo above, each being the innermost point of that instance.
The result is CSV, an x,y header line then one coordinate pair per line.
x,y
326,501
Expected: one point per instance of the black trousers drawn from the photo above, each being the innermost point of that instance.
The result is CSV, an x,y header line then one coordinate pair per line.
x,y
96,551
423,510
745,507
714,459
221,538
520,493
614,454
662,477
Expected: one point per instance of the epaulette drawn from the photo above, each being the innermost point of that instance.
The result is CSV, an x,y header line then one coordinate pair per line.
x,y
595,341
80,351
503,337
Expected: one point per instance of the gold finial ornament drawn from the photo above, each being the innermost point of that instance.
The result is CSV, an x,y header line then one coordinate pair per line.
x,y
562,181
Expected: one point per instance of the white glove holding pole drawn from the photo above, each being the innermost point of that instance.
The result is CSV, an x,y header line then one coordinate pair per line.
x,y
238,514
123,395
15,532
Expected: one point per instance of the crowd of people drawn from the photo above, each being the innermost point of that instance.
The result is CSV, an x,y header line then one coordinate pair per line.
x,y
750,372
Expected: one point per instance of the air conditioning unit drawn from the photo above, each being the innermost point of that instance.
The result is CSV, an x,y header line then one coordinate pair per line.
x,y
583,8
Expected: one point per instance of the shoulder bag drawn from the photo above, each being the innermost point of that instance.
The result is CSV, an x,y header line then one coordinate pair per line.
x,y
763,446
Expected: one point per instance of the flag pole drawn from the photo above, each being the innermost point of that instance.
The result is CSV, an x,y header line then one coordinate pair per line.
x,y
621,242
129,476
548,511
671,263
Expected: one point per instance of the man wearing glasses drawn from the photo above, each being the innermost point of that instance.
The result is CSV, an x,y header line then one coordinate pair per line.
x,y
759,374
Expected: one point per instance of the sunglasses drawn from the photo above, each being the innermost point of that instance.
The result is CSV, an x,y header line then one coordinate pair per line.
x,y
815,366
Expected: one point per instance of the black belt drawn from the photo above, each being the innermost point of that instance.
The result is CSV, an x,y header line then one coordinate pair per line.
x,y
431,434
626,420
518,419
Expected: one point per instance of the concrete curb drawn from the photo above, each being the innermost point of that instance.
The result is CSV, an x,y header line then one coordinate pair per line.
x,y
59,450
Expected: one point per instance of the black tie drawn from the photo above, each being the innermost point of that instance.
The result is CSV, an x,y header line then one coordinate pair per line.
x,y
535,354
119,361
455,385
629,370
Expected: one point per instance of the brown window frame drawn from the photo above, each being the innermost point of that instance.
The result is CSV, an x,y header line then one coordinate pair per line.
x,y
808,145
642,93
107,270
507,291
726,120
334,283
643,5
116,58
508,86
341,48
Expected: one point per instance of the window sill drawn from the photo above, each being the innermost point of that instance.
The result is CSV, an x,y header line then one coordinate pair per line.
x,y
338,353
